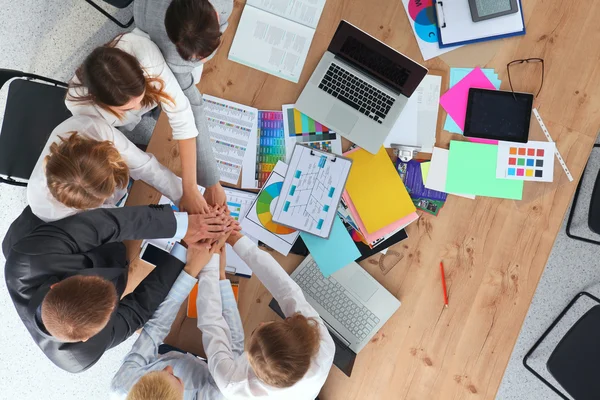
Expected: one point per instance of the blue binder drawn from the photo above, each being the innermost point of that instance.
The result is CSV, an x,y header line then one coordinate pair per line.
x,y
482,39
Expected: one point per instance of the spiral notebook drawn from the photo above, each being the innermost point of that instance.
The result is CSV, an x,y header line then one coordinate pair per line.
x,y
311,191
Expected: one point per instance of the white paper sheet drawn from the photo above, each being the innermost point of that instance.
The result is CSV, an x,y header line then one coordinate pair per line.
x,y
438,170
305,12
232,128
311,191
271,44
258,226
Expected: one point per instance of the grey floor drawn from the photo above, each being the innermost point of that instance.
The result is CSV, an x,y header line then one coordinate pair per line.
x,y
51,37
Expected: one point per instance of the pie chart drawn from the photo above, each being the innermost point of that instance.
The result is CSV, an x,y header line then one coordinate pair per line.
x,y
263,209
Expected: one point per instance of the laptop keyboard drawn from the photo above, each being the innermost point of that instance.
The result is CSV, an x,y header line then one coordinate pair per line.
x,y
332,296
355,92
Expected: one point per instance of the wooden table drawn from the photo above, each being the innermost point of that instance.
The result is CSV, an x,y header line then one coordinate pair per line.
x,y
494,250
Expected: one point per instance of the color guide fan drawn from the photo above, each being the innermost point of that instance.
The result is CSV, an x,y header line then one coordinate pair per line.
x,y
266,199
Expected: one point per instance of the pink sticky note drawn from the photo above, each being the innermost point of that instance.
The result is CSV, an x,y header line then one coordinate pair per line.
x,y
484,141
455,99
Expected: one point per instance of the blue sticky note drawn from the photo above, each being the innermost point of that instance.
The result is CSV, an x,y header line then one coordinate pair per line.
x,y
334,253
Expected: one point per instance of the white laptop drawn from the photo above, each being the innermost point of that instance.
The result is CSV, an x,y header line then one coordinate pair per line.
x,y
360,87
352,303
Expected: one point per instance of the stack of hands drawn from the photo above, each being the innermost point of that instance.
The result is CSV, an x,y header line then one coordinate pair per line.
x,y
208,231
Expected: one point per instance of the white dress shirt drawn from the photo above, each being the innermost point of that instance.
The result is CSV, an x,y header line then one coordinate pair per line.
x,y
234,375
141,165
139,45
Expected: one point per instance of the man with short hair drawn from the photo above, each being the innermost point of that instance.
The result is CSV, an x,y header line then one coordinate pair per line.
x,y
65,277
188,33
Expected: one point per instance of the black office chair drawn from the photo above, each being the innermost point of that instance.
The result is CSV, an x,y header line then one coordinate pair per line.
x,y
594,213
35,105
573,363
115,3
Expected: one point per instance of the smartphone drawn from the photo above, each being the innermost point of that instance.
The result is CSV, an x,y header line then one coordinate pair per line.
x,y
152,254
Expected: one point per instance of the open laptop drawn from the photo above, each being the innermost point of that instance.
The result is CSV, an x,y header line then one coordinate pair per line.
x,y
360,87
352,303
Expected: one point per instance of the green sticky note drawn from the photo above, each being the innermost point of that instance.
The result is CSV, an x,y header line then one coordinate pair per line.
x,y
425,170
472,170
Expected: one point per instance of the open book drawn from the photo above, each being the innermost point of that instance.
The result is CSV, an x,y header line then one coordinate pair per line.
x,y
274,36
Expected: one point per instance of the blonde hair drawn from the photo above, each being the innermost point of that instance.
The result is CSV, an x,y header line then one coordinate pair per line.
x,y
280,353
153,386
82,173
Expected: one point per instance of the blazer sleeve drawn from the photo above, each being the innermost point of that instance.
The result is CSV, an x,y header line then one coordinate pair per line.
x,y
85,231
137,308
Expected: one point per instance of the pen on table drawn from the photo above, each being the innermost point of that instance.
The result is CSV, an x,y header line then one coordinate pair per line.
x,y
444,284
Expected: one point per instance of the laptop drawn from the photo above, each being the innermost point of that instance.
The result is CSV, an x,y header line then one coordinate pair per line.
x,y
353,305
360,87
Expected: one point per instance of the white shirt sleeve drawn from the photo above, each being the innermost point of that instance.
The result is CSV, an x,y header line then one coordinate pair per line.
x,y
181,117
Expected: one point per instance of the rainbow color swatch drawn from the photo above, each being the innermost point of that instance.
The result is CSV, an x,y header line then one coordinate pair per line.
x,y
263,209
271,144
306,129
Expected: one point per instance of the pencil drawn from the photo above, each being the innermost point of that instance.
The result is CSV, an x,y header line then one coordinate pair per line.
x,y
444,284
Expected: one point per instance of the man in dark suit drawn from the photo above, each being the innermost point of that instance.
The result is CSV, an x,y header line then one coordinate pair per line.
x,y
66,277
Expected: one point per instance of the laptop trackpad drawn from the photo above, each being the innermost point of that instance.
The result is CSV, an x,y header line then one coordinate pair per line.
x,y
344,120
361,286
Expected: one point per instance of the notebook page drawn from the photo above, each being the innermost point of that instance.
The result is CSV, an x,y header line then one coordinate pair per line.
x,y
271,44
305,12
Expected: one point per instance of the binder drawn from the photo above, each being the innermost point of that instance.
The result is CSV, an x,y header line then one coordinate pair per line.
x,y
456,27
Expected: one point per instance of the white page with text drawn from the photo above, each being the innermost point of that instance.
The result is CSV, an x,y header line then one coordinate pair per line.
x,y
305,12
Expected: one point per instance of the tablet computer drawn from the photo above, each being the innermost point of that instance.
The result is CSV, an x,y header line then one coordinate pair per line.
x,y
498,115
487,9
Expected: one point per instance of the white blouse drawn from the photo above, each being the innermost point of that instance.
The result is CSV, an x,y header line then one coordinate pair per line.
x,y
141,165
139,45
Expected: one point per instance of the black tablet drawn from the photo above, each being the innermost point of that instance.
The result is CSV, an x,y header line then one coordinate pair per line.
x,y
498,115
486,9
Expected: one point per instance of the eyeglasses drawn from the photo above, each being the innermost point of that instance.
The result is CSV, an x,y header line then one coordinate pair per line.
x,y
528,60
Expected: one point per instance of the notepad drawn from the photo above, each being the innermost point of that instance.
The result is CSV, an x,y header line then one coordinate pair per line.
x,y
333,253
275,36
376,189
472,170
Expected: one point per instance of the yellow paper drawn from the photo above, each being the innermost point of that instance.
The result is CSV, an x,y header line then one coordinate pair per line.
x,y
425,170
376,190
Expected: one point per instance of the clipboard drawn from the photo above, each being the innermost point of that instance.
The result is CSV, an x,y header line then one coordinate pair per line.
x,y
453,17
311,191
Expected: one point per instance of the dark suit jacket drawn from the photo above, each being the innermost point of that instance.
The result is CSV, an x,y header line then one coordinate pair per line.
x,y
40,254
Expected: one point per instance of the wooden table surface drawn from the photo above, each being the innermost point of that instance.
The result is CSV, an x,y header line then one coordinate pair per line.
x,y
494,250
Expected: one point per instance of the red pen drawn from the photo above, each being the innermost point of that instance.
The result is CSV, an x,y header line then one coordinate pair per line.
x,y
444,284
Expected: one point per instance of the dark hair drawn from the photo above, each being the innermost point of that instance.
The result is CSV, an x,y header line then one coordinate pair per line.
x,y
82,173
78,307
193,27
280,353
113,77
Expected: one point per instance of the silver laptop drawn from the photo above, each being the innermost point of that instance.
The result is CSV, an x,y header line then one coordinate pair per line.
x,y
352,303
360,87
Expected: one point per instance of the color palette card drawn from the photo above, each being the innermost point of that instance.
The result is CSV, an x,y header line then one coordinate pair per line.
x,y
472,170
532,161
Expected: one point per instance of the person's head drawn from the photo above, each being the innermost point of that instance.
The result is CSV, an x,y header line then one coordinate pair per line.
x,y
280,352
79,307
82,173
157,385
116,81
193,27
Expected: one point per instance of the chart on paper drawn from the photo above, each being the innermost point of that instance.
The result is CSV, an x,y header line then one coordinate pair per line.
x,y
232,129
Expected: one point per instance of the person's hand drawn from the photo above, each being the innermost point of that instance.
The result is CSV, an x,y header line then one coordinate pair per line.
x,y
234,236
193,202
198,255
206,226
215,195
222,264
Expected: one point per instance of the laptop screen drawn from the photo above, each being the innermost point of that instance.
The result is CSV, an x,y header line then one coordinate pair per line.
x,y
376,59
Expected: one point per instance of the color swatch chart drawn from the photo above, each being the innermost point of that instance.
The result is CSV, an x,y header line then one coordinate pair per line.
x,y
270,143
232,129
533,161
311,191
300,128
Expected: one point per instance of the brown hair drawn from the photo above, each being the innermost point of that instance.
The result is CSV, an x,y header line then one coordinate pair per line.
x,y
82,173
113,77
153,386
193,27
78,307
280,353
